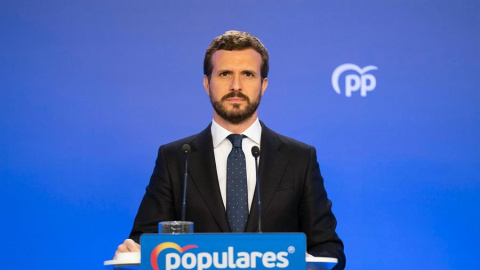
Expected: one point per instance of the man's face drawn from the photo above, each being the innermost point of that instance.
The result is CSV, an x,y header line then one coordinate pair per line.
x,y
235,86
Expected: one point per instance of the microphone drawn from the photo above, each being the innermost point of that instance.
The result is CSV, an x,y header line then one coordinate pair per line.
x,y
186,151
256,154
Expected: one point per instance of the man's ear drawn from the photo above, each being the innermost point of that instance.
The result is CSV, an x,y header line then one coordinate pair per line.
x,y
206,84
264,85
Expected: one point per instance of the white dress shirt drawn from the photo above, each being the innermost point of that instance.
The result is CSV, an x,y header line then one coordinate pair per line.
x,y
222,147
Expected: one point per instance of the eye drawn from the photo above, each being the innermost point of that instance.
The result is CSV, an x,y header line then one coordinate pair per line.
x,y
248,74
225,73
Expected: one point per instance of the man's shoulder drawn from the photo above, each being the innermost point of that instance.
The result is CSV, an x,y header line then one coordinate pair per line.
x,y
191,140
285,141
293,142
180,142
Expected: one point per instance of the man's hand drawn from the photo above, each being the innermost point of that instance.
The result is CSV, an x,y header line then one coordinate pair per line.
x,y
128,246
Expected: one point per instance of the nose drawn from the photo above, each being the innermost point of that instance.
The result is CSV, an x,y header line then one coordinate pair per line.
x,y
235,84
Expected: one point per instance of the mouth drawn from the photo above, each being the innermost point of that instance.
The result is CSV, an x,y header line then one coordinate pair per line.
x,y
235,99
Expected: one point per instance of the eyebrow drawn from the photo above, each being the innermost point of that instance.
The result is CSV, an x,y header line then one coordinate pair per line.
x,y
249,71
243,71
223,70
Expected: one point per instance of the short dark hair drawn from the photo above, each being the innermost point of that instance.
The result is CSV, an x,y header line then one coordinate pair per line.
x,y
235,41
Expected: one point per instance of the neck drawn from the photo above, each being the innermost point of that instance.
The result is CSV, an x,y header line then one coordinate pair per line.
x,y
235,128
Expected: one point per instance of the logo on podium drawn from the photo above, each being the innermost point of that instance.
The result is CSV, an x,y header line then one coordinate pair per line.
x,y
223,251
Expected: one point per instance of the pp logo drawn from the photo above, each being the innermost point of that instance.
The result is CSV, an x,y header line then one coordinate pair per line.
x,y
354,82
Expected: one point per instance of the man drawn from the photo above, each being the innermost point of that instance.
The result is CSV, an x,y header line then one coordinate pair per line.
x,y
292,191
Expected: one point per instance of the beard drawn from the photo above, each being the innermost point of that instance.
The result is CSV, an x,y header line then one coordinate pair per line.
x,y
236,115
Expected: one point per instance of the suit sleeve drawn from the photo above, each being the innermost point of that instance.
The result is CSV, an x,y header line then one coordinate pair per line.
x,y
157,203
318,221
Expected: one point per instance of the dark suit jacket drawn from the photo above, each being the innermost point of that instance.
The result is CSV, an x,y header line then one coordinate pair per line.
x,y
293,196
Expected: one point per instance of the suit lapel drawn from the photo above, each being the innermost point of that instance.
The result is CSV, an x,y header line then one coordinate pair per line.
x,y
271,170
203,172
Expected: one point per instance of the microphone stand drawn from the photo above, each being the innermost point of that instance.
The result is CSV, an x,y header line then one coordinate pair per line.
x,y
256,154
186,151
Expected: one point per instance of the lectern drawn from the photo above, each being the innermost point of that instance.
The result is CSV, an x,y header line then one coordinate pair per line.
x,y
212,251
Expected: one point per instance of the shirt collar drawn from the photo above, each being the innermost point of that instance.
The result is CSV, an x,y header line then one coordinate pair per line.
x,y
253,132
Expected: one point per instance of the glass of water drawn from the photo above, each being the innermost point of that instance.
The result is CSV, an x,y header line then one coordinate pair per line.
x,y
175,227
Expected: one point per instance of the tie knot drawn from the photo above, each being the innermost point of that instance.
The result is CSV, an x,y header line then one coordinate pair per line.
x,y
236,140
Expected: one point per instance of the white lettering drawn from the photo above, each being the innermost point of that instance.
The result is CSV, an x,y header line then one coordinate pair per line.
x,y
204,260
268,259
189,257
367,87
253,258
243,260
231,262
216,262
226,260
283,261
172,261
352,83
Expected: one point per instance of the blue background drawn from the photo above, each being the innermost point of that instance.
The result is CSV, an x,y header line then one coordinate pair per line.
x,y
90,89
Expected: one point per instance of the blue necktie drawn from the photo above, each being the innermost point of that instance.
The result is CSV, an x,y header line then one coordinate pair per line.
x,y
237,193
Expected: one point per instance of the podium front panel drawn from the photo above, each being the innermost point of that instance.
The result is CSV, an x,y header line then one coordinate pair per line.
x,y
199,251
